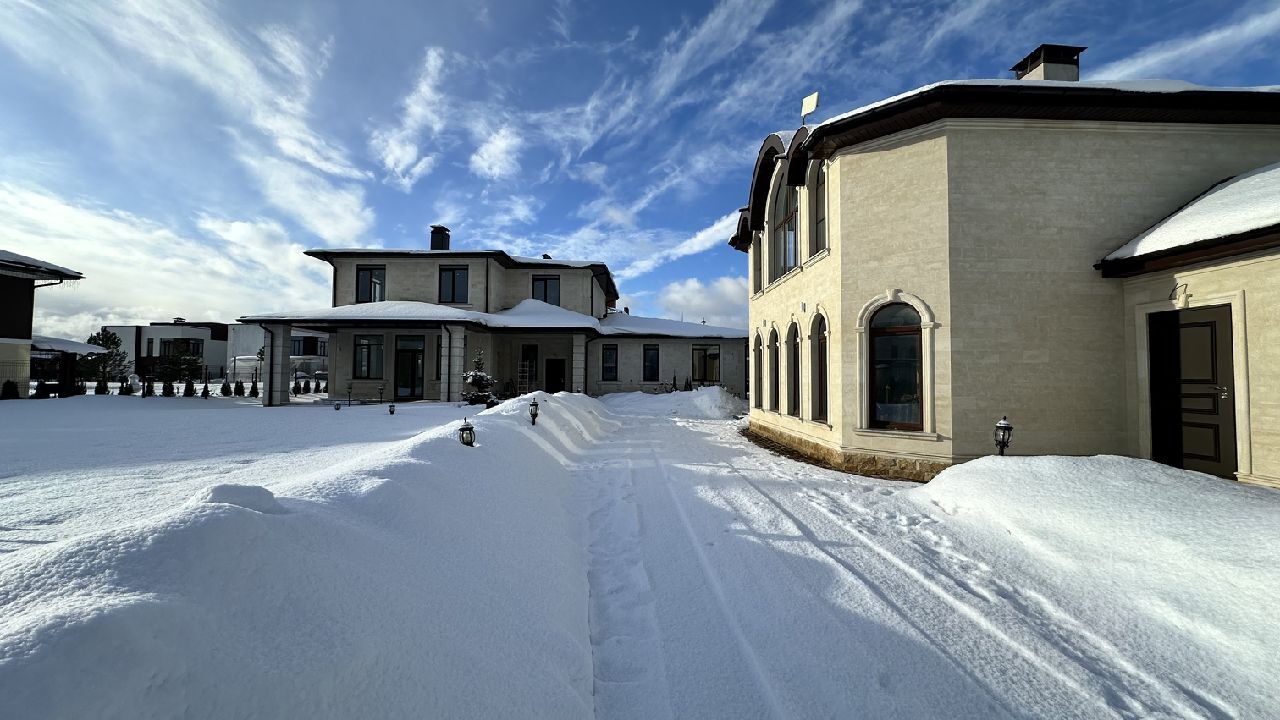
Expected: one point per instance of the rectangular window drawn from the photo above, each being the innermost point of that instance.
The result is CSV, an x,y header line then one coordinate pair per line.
x,y
529,361
547,289
151,347
437,345
322,348
651,369
371,283
453,285
608,363
298,347
368,358
820,211
706,363
172,347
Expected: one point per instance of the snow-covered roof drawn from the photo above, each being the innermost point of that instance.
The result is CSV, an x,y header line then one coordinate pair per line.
x,y
527,314
1132,86
418,252
625,324
1246,202
42,342
29,266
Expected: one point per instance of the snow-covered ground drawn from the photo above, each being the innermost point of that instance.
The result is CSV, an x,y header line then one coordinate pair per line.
x,y
604,564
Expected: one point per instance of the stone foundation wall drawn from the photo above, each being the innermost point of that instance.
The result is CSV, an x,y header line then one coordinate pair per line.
x,y
887,466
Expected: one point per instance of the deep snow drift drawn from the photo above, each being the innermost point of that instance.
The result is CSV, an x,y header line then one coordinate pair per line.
x,y
606,564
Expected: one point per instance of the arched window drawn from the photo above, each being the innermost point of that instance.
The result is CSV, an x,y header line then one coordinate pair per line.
x,y
895,372
793,370
782,247
757,369
757,249
818,207
773,370
818,367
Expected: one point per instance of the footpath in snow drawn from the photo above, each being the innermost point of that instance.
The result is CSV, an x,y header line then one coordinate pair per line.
x,y
638,558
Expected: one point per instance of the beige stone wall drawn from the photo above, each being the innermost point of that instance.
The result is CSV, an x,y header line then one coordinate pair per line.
x,y
887,226
1252,286
576,288
342,356
15,364
1037,333
675,358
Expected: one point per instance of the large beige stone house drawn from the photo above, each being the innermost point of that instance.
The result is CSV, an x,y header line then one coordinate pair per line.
x,y
1097,261
406,324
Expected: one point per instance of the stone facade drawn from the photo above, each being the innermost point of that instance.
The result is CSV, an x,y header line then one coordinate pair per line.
x,y
991,229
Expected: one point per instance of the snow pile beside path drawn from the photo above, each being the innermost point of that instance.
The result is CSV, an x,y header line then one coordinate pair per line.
x,y
705,403
1164,562
424,579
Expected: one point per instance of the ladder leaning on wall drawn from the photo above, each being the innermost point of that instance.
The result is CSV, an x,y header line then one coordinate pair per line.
x,y
522,379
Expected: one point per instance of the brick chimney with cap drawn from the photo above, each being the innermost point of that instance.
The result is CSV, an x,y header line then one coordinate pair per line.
x,y
439,237
1050,62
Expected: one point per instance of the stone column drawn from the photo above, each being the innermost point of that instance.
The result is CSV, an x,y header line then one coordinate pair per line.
x,y
276,376
578,374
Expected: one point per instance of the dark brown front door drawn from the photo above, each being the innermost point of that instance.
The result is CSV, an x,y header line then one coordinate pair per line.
x,y
1193,422
555,376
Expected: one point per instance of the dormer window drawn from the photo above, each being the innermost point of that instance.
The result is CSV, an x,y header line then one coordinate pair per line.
x,y
371,283
547,289
782,246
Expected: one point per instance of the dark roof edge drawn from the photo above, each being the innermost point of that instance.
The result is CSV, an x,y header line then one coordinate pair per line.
x,y
42,272
1220,248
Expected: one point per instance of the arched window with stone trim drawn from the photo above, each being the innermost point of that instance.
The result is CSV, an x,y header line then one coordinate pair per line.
x,y
817,207
895,369
793,370
773,370
818,368
783,254
757,260
757,370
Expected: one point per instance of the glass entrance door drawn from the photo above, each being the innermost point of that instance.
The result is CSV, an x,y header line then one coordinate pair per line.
x,y
410,357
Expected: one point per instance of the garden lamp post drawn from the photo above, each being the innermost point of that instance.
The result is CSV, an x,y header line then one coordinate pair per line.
x,y
533,412
348,393
467,433
380,389
1003,434
391,409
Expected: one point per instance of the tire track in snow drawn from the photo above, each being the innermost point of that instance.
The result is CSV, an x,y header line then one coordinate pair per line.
x,y
1125,688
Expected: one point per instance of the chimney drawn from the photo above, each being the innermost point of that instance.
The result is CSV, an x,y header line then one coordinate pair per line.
x,y
179,321
1050,62
439,237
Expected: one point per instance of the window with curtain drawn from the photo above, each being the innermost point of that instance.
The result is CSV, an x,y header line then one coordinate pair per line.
x,y
371,283
782,248
608,363
818,366
895,373
367,364
453,285
818,208
793,370
774,379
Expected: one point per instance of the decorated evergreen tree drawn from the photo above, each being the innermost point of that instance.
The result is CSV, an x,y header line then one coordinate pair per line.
x,y
189,389
226,388
239,388
167,389
480,380
253,389
306,387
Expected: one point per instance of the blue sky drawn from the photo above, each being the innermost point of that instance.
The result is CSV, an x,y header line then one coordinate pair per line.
x,y
182,155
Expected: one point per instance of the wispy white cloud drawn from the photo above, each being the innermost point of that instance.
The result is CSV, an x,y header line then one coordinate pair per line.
x,y
138,270
498,156
711,236
336,213
397,147
562,18
1195,55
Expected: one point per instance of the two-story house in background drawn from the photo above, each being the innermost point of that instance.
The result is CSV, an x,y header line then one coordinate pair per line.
x,y
406,324
20,277
1097,261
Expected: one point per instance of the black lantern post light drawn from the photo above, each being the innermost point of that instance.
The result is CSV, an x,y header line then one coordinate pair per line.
x,y
1003,434
391,409
467,433
348,393
533,412
381,388
337,406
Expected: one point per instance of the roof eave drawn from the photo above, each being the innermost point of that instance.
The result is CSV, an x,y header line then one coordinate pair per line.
x,y
1213,249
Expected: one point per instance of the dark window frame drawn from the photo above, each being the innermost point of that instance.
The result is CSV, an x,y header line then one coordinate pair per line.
x,y
369,365
608,370
453,272
534,359
371,283
793,370
874,333
547,284
819,407
701,365
775,396
656,375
